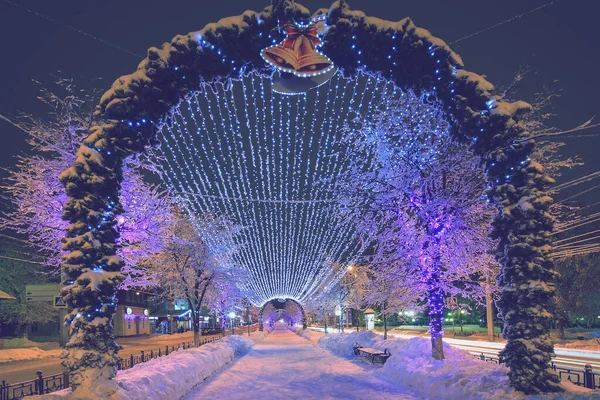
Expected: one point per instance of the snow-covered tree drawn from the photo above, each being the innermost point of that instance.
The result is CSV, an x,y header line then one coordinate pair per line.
x,y
38,197
355,281
224,296
324,305
269,315
195,258
292,314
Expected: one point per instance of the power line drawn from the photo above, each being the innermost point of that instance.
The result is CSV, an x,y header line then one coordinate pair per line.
x,y
506,21
577,181
23,253
579,253
577,236
26,261
16,239
89,35
577,223
583,250
570,244
580,193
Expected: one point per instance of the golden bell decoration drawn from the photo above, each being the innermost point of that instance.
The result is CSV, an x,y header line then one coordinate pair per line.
x,y
298,53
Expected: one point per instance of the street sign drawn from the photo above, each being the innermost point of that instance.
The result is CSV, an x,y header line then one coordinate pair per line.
x,y
41,292
39,298
59,302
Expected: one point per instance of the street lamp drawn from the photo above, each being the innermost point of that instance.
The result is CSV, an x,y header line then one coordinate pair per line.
x,y
248,319
232,319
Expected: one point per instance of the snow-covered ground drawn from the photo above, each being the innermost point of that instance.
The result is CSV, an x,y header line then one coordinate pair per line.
x,y
295,364
459,376
169,377
22,354
287,366
565,358
308,334
258,336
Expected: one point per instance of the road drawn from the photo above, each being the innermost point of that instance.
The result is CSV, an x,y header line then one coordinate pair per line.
x,y
18,371
565,358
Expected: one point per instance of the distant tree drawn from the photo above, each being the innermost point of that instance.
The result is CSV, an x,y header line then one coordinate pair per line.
x,y
195,258
323,306
355,282
269,314
18,268
292,314
576,290
223,297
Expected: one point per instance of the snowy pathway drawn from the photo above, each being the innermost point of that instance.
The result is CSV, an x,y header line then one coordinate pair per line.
x,y
286,366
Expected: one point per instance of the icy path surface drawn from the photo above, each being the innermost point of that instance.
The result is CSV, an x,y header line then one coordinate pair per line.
x,y
286,366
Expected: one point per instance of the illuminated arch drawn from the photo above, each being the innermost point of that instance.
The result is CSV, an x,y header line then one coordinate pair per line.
x,y
399,51
262,309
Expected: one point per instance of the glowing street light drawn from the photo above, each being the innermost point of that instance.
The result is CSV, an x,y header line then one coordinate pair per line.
x,y
231,320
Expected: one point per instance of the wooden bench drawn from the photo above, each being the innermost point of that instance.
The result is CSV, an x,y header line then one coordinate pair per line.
x,y
373,355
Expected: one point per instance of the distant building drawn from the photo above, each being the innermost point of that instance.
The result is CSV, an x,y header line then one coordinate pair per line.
x,y
133,314
176,317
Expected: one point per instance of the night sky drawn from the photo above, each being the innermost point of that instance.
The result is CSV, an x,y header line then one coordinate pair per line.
x,y
559,43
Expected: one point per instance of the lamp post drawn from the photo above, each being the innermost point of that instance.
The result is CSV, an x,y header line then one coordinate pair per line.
x,y
370,319
232,320
338,313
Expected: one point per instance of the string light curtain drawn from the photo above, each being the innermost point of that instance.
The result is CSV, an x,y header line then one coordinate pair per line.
x,y
265,160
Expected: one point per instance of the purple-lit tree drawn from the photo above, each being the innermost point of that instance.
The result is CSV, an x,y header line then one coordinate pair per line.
x,y
419,198
38,197
269,314
224,296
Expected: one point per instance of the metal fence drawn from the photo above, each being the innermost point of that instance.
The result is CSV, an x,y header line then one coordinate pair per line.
x,y
40,385
585,377
48,384
241,330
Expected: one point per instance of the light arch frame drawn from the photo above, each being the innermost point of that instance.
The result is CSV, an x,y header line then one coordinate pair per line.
x,y
399,51
262,309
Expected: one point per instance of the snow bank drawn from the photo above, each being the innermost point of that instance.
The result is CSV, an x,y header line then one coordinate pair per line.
x,y
35,353
459,376
259,336
180,372
307,334
172,376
